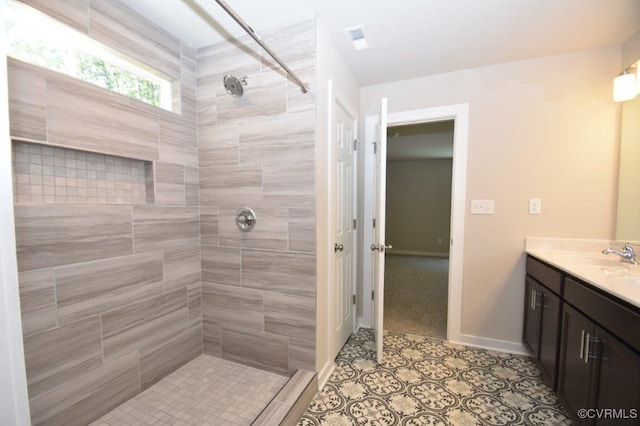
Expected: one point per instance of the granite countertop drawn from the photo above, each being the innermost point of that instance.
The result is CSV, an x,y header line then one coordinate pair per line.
x,y
583,259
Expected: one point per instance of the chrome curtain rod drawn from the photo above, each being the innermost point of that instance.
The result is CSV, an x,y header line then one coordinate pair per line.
x,y
257,38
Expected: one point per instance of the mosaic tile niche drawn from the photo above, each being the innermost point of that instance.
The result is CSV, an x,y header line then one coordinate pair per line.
x,y
48,175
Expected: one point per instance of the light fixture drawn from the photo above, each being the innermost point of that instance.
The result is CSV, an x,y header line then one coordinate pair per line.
x,y
625,87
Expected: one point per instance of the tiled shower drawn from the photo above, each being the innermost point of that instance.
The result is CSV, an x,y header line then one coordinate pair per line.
x,y
130,262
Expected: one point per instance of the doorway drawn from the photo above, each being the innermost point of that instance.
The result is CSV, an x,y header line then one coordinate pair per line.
x,y
418,218
373,238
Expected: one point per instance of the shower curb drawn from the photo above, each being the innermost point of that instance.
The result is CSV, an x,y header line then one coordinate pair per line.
x,y
289,404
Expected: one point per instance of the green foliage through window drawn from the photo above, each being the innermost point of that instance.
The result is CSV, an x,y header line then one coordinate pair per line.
x,y
31,43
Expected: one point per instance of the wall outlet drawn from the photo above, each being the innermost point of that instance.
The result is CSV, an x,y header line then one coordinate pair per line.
x,y
482,206
535,206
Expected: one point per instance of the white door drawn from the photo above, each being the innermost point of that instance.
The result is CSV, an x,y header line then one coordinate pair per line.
x,y
344,142
378,246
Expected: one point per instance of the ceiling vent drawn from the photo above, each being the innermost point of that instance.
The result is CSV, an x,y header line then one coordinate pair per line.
x,y
356,35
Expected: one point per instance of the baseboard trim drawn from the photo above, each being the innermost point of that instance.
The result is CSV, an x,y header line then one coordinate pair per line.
x,y
419,253
325,373
492,344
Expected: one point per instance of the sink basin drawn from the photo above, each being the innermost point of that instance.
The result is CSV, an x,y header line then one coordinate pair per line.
x,y
589,259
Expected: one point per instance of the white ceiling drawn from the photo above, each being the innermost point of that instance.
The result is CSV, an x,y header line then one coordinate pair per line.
x,y
412,38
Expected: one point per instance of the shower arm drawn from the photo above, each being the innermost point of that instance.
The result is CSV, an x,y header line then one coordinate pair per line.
x,y
258,40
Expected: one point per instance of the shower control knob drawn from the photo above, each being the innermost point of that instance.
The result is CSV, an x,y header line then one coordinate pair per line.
x,y
245,219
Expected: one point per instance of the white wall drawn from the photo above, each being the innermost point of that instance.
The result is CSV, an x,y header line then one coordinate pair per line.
x,y
14,402
329,66
542,128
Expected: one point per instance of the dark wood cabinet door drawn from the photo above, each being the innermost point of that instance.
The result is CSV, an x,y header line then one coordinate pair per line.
x,y
550,309
575,375
531,332
618,381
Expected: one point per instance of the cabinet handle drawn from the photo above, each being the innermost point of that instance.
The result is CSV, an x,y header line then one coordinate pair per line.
x,y
533,299
586,349
582,345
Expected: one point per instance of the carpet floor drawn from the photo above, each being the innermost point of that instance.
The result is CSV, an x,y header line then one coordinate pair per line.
x,y
415,295
426,381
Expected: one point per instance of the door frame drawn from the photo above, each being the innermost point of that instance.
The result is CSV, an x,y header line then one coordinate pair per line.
x,y
460,114
336,97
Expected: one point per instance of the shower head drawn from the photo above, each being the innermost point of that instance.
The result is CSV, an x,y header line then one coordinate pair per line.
x,y
234,86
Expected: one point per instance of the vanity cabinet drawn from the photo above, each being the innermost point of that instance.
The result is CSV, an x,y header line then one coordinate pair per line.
x,y
543,304
597,369
587,343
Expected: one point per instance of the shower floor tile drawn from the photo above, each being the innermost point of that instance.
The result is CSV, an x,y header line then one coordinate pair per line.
x,y
206,391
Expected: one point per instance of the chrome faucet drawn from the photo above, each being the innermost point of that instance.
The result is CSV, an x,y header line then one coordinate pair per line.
x,y
627,255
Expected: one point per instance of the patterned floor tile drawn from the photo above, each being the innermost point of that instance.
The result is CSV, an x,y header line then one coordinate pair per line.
x,y
426,381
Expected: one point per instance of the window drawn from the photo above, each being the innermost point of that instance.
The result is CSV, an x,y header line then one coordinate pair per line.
x,y
37,38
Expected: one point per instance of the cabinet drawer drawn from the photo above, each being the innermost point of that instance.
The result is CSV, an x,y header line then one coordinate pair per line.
x,y
546,275
618,319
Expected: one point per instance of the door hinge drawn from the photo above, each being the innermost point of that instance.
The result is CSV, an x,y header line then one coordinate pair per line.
x,y
374,222
354,299
373,295
355,223
375,148
355,144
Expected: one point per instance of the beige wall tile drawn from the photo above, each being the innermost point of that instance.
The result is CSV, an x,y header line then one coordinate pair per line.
x,y
91,288
92,123
122,29
88,397
302,355
191,186
179,154
194,294
74,13
294,43
58,235
37,301
61,354
220,265
170,188
302,229
211,334
158,361
225,304
231,185
206,105
143,323
175,129
297,101
181,266
218,145
269,232
240,58
285,140
279,272
290,316
27,102
209,225
255,348
156,228
289,184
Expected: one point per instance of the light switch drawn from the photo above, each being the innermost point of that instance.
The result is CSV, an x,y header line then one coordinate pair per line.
x,y
482,206
535,206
